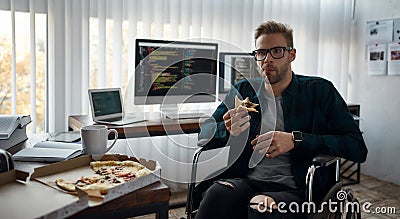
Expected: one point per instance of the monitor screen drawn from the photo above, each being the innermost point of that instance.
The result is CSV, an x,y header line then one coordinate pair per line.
x,y
174,72
233,67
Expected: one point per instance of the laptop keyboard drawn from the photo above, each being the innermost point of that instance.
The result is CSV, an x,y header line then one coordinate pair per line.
x,y
113,119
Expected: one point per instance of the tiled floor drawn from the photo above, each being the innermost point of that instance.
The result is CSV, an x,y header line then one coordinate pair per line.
x,y
383,196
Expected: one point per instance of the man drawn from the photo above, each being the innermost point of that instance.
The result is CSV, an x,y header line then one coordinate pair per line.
x,y
311,118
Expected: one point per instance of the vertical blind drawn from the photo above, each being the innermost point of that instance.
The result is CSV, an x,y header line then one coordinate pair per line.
x,y
90,44
94,39
32,12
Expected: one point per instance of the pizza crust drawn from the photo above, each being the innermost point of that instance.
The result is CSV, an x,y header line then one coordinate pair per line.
x,y
66,185
102,188
96,165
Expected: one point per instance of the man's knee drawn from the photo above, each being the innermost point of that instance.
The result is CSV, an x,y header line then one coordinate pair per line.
x,y
220,190
224,199
263,203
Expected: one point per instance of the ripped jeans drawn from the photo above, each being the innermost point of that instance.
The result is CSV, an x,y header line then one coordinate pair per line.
x,y
230,198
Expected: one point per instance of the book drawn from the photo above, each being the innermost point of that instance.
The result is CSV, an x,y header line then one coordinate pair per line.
x,y
49,151
13,130
8,124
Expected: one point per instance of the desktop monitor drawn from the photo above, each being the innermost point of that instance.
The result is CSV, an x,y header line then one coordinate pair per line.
x,y
172,72
233,67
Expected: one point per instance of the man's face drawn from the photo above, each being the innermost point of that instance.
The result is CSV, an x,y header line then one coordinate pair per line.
x,y
275,69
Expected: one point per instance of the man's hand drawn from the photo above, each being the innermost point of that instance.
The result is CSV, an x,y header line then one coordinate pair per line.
x,y
237,120
273,143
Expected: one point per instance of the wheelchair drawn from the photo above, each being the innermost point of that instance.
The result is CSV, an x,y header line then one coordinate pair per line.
x,y
350,206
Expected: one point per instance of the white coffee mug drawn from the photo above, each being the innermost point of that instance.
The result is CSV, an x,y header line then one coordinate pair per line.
x,y
94,139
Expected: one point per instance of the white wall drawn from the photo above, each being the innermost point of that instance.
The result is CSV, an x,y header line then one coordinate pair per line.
x,y
378,96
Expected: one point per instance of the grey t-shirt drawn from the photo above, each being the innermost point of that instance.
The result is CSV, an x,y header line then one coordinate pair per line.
x,y
277,169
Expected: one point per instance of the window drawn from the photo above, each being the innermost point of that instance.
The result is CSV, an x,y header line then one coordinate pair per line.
x,y
22,66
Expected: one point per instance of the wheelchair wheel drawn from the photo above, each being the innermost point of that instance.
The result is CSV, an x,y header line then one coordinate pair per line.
x,y
354,213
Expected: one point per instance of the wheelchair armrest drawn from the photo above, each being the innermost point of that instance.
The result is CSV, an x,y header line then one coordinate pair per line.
x,y
207,144
323,160
204,145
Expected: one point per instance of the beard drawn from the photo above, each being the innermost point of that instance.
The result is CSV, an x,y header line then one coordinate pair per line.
x,y
273,78
277,74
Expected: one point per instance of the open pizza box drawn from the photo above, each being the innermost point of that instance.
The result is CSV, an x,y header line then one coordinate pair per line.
x,y
22,198
76,168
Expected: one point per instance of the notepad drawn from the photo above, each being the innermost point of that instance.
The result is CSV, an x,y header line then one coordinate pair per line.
x,y
49,152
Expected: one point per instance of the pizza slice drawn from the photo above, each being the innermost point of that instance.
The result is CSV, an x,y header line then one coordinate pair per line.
x,y
126,170
110,174
86,184
251,107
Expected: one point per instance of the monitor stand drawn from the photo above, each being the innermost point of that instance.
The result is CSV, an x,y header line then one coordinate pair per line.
x,y
169,108
172,111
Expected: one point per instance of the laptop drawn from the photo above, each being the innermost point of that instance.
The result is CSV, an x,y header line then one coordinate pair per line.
x,y
107,107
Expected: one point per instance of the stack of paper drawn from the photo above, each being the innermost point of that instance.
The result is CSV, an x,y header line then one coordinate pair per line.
x,y
13,130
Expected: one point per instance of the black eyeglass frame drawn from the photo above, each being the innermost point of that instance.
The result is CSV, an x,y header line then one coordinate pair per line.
x,y
254,52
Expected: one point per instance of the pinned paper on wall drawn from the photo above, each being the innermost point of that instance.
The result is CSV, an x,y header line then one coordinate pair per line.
x,y
379,31
394,58
377,59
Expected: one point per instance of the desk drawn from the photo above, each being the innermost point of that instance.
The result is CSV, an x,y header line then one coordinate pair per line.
x,y
155,125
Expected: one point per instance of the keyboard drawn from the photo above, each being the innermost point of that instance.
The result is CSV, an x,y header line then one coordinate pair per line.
x,y
113,119
188,115
122,120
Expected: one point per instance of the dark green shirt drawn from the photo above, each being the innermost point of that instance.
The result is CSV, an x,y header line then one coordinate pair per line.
x,y
311,105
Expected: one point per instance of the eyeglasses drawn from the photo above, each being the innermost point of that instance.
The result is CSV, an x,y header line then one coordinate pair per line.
x,y
276,52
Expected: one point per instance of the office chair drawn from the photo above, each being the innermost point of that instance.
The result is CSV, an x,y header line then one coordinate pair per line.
x,y
335,193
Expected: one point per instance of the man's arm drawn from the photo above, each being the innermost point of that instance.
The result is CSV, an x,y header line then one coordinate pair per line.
x,y
342,136
213,130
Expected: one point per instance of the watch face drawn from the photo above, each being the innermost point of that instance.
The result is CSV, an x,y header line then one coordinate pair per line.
x,y
297,136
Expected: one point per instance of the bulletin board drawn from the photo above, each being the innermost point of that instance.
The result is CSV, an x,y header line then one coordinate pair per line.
x,y
383,47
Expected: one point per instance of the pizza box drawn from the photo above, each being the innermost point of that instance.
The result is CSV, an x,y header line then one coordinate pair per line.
x,y
22,198
76,168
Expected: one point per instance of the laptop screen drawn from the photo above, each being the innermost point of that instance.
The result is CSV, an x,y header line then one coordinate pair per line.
x,y
106,102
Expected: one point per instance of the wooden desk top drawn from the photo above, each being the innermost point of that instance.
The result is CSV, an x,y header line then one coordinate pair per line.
x,y
153,126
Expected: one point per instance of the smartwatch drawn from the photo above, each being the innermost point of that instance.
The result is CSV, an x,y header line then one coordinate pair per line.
x,y
297,138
